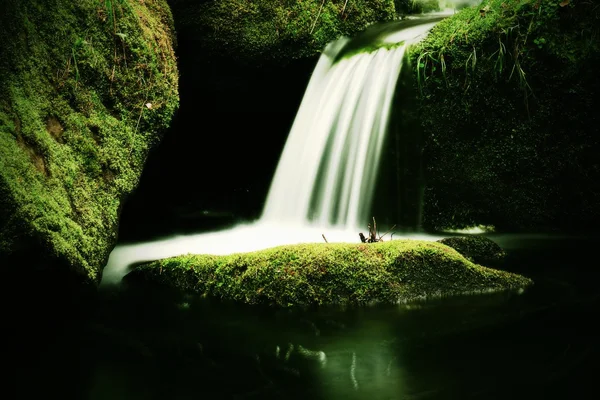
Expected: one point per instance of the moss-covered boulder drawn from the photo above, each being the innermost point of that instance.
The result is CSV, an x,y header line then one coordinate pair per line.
x,y
404,7
330,273
86,89
477,249
265,30
508,94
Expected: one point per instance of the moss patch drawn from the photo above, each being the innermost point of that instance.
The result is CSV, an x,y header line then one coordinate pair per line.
x,y
335,273
86,89
267,30
507,93
477,249
416,6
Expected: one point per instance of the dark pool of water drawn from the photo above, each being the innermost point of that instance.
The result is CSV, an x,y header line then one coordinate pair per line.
x,y
143,342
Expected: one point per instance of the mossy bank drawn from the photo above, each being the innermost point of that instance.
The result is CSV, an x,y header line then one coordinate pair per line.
x,y
261,31
86,89
330,273
508,93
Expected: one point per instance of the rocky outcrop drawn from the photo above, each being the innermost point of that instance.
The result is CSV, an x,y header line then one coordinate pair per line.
x,y
477,249
330,273
86,89
507,103
266,30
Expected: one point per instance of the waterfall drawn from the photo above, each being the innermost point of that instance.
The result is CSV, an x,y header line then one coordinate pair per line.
x,y
329,164
327,172
328,168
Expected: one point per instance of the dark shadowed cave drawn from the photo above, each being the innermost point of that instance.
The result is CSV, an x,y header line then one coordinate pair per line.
x,y
216,162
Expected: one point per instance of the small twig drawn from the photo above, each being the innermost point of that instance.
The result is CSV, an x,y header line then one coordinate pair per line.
x,y
140,117
324,238
387,232
344,8
372,234
137,126
317,18
374,226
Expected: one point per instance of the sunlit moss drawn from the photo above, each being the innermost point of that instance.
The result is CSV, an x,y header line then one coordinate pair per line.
x,y
334,273
86,90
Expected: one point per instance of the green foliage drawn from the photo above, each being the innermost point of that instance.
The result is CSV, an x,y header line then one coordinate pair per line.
x,y
416,6
264,30
315,274
511,82
75,131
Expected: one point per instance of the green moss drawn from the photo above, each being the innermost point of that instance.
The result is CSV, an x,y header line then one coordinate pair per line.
x,y
417,6
369,49
87,89
477,249
267,30
514,83
306,274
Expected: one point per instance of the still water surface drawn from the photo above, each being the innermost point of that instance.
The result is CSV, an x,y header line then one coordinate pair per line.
x,y
142,342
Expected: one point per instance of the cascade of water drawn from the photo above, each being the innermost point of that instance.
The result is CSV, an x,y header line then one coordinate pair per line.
x,y
328,169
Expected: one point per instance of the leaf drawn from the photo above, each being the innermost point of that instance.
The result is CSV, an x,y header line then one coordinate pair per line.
x,y
564,3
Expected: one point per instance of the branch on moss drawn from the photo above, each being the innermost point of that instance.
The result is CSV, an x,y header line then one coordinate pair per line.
x,y
317,18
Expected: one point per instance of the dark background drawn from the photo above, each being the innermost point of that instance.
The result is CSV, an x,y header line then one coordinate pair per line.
x,y
215,164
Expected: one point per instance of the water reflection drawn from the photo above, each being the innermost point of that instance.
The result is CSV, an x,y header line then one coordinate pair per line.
x,y
139,341
185,346
323,354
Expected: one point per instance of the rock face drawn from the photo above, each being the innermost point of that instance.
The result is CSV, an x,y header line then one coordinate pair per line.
x,y
507,102
477,249
265,30
334,273
86,89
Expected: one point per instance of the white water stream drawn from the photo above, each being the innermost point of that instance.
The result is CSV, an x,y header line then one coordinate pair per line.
x,y
328,167
327,172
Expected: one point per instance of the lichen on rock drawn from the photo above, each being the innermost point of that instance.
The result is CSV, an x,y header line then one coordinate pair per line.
x,y
86,89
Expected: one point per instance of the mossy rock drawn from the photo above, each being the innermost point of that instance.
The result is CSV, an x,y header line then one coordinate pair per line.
x,y
416,6
274,30
478,249
507,99
86,89
330,273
